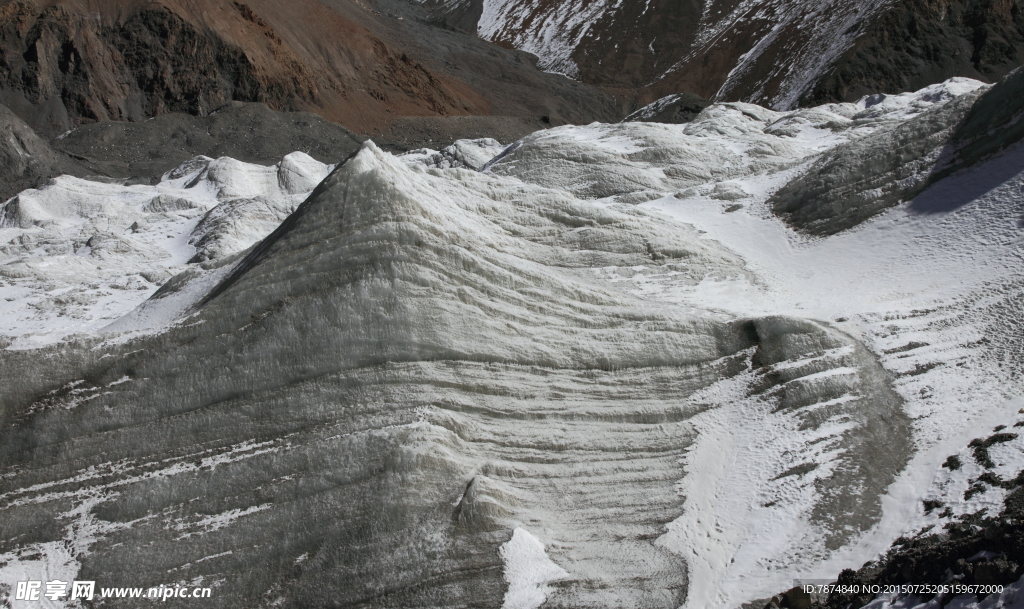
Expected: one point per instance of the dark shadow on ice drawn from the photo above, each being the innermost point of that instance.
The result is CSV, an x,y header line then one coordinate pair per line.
x,y
986,141
953,191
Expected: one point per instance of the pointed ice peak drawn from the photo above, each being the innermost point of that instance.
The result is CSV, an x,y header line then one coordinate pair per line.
x,y
368,156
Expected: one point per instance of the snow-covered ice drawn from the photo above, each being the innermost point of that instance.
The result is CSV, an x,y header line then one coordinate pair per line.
x,y
605,336
79,254
921,285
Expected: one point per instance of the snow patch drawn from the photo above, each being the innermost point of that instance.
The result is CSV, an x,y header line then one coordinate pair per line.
x,y
41,562
528,571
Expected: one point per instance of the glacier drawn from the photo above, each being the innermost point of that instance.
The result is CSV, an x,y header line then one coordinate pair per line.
x,y
601,366
79,254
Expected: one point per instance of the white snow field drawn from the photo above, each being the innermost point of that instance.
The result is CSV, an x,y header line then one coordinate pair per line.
x,y
598,372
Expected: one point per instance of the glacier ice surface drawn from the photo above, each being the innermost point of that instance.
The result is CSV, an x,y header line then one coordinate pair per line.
x,y
425,369
79,254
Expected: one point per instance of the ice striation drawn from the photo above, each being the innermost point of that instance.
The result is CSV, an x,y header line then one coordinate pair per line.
x,y
638,161
470,154
601,371
865,176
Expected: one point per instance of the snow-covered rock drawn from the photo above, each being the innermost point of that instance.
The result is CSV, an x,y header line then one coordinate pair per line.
x,y
471,154
770,52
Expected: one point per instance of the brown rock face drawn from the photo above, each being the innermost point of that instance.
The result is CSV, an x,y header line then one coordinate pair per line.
x,y
366,63
63,63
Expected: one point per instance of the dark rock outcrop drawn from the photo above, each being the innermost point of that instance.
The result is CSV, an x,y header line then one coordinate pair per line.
x,y
970,550
26,158
674,109
919,42
930,559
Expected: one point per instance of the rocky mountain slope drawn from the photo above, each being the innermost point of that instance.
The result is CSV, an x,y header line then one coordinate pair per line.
x,y
599,366
916,43
371,65
66,62
771,52
143,152
26,158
